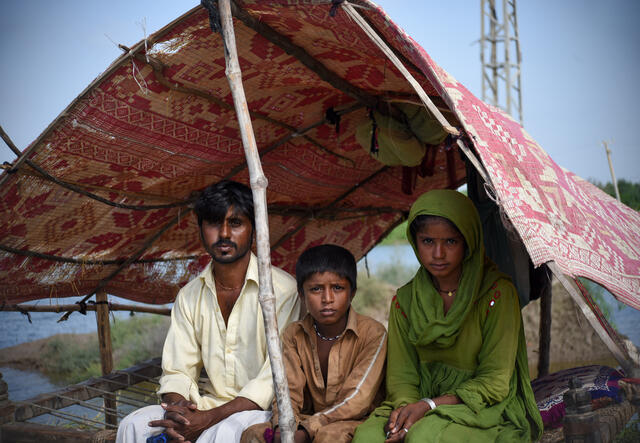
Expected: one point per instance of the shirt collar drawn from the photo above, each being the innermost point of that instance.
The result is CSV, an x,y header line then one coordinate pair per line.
x,y
352,323
252,273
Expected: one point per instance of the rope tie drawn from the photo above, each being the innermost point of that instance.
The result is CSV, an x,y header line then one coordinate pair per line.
x,y
83,307
374,148
334,7
333,118
24,312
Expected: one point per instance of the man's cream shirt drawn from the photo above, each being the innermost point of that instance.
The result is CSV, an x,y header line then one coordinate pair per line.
x,y
234,356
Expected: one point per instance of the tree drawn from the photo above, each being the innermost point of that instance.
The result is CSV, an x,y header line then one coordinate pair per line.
x,y
629,192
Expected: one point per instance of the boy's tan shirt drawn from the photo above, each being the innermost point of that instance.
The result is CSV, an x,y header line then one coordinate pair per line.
x,y
355,372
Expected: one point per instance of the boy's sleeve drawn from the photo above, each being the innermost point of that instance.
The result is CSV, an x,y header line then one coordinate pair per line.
x,y
295,375
496,360
360,386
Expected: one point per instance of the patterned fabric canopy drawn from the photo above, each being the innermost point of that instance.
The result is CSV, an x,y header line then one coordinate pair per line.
x,y
103,196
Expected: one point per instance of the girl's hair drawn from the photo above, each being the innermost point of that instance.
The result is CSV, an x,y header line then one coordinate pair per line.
x,y
422,220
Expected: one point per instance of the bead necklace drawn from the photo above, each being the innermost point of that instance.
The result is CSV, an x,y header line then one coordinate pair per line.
x,y
322,337
450,293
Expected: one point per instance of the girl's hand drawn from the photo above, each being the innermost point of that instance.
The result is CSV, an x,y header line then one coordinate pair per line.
x,y
401,420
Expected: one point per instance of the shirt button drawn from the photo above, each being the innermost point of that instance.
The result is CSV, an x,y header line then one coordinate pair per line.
x,y
228,351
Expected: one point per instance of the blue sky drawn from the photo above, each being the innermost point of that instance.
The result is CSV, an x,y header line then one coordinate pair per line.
x,y
580,68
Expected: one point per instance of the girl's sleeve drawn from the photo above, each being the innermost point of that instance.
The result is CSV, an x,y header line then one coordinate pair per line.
x,y
403,366
500,321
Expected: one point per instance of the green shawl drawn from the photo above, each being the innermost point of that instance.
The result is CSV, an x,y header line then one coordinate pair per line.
x,y
478,272
427,323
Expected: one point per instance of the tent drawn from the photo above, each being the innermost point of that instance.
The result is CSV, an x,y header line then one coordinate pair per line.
x,y
101,200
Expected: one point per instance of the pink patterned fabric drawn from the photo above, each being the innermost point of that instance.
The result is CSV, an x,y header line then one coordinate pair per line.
x,y
145,136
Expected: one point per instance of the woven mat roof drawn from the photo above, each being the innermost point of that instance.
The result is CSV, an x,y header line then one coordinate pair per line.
x,y
159,124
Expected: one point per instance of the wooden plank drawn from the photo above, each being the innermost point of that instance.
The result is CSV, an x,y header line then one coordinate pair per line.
x,y
82,391
36,433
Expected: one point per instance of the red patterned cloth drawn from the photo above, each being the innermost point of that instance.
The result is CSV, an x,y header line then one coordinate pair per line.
x,y
152,133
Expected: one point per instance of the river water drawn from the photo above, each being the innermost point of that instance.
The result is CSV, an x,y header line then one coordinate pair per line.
x,y
15,327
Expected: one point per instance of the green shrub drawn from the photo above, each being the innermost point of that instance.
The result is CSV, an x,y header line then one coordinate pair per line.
x,y
133,340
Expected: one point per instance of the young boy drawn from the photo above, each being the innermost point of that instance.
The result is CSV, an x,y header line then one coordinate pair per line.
x,y
334,357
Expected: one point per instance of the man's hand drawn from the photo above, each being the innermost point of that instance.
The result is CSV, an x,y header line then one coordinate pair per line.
x,y
401,420
300,436
182,421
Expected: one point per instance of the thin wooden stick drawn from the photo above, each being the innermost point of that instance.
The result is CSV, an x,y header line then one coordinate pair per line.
x,y
90,307
350,10
87,262
258,187
578,298
147,244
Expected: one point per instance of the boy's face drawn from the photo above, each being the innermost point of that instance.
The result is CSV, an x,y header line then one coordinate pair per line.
x,y
328,297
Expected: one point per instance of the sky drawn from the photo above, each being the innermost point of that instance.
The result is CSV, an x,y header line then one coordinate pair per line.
x,y
580,65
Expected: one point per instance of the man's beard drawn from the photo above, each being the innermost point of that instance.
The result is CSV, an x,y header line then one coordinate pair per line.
x,y
232,256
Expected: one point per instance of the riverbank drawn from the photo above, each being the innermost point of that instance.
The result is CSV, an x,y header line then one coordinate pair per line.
x,y
70,358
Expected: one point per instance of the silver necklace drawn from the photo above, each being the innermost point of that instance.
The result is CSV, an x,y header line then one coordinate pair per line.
x,y
322,337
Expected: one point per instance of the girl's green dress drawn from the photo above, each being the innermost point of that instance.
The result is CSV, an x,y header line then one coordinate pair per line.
x,y
477,351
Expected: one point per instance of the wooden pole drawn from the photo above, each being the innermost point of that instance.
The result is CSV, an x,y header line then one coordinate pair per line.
x,y
544,345
259,189
106,354
613,175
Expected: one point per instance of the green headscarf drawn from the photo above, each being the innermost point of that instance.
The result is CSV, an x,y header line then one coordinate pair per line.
x,y
428,324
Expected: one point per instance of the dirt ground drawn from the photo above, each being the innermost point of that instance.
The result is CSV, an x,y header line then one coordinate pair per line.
x,y
573,341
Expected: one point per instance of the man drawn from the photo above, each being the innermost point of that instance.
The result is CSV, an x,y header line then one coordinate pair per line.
x,y
216,323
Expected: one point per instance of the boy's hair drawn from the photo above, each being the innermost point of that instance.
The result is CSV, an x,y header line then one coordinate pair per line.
x,y
326,258
216,199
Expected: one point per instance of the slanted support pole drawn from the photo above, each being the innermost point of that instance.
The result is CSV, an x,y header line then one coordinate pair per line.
x,y
259,182
578,298
106,354
371,33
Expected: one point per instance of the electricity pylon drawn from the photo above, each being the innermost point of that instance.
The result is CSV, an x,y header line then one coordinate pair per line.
x,y
500,56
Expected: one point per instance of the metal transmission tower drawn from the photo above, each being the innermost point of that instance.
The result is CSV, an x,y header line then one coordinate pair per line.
x,y
500,56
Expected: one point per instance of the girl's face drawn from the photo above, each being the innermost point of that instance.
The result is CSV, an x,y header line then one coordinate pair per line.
x,y
441,250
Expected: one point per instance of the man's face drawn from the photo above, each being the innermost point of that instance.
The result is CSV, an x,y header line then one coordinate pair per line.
x,y
229,240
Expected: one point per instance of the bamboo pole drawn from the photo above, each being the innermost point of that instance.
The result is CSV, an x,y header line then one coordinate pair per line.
x,y
106,354
258,187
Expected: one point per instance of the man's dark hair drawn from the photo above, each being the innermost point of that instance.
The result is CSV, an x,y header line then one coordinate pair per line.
x,y
216,199
326,258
